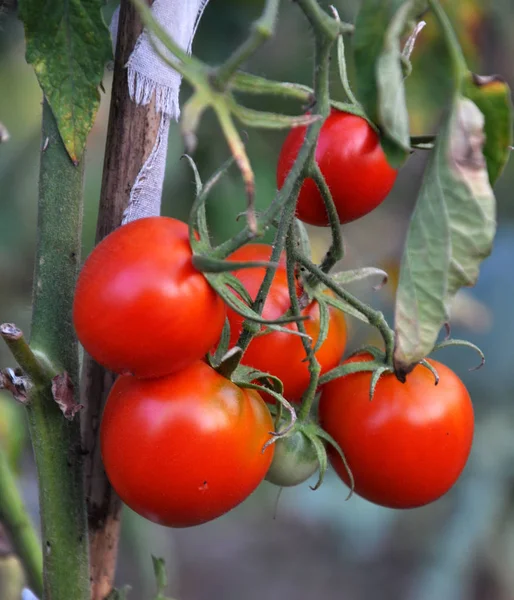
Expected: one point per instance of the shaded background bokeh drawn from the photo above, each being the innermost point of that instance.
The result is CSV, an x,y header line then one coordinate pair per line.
x,y
304,544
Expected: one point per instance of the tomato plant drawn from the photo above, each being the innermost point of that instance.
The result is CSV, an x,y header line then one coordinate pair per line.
x,y
184,449
409,444
278,353
140,306
183,443
353,163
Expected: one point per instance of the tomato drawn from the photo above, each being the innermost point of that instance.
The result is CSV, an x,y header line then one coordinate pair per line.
x,y
295,460
355,167
140,306
407,446
282,354
184,449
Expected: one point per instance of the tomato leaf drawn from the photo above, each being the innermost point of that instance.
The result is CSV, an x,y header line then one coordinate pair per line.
x,y
450,234
492,96
68,45
379,28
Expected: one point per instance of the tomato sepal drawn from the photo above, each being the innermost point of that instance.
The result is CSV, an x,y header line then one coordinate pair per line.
x,y
247,377
321,433
215,358
456,342
349,368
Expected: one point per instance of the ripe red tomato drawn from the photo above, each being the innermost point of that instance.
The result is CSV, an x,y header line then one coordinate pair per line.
x,y
140,306
407,446
277,353
355,167
184,449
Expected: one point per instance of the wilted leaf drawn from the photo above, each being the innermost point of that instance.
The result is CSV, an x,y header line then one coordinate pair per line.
x,y
450,234
492,96
68,45
379,28
62,391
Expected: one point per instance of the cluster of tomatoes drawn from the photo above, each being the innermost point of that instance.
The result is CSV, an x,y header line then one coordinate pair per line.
x,y
181,443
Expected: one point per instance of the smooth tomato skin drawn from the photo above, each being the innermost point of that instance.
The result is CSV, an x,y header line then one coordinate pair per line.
x,y
407,446
277,353
187,448
140,306
355,167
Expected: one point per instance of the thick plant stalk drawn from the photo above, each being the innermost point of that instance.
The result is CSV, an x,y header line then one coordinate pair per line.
x,y
131,135
56,440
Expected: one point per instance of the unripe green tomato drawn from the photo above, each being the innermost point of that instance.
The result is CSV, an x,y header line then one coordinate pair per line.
x,y
294,461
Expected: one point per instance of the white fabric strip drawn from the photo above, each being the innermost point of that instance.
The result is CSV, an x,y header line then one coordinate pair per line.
x,y
147,76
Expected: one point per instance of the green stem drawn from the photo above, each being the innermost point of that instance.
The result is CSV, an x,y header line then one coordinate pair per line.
x,y
460,68
314,365
262,30
287,196
55,440
336,251
375,317
24,355
22,534
278,246
324,26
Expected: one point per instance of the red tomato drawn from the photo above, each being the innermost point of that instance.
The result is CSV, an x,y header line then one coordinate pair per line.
x,y
407,446
355,167
140,306
184,449
277,353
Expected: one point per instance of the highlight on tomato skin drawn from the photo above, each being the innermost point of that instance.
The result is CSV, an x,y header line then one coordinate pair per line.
x,y
140,306
282,354
184,449
353,163
408,445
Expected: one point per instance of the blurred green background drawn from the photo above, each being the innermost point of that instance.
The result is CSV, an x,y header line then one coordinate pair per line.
x,y
304,544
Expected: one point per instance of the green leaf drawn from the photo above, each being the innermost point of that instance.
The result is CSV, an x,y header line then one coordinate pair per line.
x,y
161,578
379,28
492,96
450,234
68,45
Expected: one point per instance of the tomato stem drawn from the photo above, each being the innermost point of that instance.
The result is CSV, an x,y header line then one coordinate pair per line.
x,y
375,317
56,441
336,251
262,29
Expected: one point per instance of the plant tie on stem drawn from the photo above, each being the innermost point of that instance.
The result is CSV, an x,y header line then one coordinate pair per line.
x,y
149,75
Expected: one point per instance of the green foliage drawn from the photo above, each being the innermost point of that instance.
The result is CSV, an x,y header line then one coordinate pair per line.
x,y
379,70
450,234
68,45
